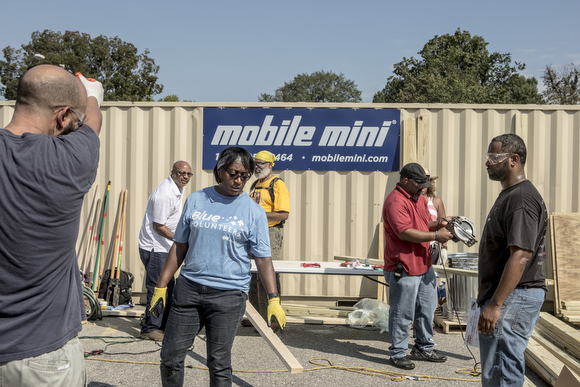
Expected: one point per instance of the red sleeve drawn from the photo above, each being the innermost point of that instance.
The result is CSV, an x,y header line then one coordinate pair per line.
x,y
398,217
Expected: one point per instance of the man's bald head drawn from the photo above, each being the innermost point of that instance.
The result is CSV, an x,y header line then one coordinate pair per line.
x,y
44,87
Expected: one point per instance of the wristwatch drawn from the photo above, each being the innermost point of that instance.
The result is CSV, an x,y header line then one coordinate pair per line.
x,y
273,295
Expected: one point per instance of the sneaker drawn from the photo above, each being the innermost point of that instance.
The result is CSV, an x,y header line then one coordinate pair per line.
x,y
433,356
402,362
153,335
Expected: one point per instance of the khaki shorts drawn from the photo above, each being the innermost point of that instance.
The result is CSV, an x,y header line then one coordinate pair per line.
x,y
63,367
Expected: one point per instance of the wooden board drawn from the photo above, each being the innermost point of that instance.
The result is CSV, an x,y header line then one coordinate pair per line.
x,y
273,341
562,333
554,269
556,351
423,139
382,294
559,342
452,270
566,228
317,311
314,320
409,141
542,362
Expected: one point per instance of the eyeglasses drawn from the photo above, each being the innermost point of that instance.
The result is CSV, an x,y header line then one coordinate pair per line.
x,y
80,115
260,165
416,183
234,176
495,158
183,174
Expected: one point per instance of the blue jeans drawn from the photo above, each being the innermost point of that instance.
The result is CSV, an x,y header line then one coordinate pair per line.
x,y
153,262
412,298
196,306
502,353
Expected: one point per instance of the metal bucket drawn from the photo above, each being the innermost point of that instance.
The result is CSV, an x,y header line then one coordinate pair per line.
x,y
461,288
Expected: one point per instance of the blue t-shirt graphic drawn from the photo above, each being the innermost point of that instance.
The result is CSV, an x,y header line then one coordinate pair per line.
x,y
221,230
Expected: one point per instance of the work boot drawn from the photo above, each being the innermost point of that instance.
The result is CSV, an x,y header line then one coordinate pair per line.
x,y
432,356
246,322
402,362
153,335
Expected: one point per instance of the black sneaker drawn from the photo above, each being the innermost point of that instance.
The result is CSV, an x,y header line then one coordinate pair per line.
x,y
402,362
433,356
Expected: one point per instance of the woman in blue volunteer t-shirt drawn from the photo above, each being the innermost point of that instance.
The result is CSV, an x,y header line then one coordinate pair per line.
x,y
218,226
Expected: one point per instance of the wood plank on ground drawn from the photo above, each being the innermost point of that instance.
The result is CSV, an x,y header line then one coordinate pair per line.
x,y
561,343
569,332
542,362
570,361
273,341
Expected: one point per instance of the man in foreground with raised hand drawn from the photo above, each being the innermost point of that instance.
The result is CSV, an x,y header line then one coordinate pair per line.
x,y
48,162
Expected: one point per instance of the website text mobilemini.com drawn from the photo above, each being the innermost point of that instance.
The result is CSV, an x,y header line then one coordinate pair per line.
x,y
338,158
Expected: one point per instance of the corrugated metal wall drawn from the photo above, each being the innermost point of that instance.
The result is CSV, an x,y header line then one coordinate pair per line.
x,y
337,213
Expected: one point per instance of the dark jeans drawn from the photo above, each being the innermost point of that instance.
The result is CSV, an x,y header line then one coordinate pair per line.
x,y
153,266
196,306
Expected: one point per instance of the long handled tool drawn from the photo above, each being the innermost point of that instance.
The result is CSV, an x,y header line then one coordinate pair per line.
x,y
117,280
86,238
109,284
86,262
101,247
94,243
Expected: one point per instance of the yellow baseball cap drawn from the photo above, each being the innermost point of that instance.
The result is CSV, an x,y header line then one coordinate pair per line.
x,y
266,156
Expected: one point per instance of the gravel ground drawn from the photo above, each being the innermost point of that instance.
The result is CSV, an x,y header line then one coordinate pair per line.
x,y
320,349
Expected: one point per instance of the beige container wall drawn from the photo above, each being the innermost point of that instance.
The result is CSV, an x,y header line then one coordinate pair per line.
x,y
337,213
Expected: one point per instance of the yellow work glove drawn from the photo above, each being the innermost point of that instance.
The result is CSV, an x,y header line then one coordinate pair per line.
x,y
275,311
159,297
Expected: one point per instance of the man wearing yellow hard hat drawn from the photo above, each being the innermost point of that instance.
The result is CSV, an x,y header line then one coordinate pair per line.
x,y
270,193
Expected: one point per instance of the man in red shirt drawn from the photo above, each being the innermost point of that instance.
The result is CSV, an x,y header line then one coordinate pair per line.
x,y
408,267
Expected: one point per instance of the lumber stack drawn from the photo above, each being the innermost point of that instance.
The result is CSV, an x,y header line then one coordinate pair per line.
x,y
553,345
570,311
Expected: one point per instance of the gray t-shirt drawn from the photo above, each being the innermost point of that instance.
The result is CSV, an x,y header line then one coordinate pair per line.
x,y
43,180
517,218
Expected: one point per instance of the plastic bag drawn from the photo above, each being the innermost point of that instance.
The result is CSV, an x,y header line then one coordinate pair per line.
x,y
369,311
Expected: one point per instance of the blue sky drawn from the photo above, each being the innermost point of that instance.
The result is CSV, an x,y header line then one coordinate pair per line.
x,y
232,51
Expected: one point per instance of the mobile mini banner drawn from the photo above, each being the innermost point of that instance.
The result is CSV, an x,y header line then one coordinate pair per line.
x,y
307,139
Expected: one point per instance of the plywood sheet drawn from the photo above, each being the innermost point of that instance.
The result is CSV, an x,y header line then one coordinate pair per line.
x,y
566,232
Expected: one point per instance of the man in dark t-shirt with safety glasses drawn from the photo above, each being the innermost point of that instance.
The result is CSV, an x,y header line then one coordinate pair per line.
x,y
511,257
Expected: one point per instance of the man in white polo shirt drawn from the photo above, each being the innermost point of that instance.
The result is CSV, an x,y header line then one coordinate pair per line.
x,y
156,239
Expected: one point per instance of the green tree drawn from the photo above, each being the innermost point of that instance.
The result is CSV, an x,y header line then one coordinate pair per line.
x,y
320,86
458,68
126,74
169,98
562,87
